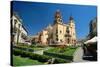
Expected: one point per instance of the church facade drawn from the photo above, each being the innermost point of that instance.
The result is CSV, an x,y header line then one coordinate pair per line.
x,y
58,33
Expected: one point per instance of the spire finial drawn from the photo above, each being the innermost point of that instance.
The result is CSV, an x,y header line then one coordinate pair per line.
x,y
58,10
71,17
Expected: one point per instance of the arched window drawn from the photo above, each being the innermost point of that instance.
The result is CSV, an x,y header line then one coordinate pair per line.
x,y
68,40
57,39
60,31
15,21
56,31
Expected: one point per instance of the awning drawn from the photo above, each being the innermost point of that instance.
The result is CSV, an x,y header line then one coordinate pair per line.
x,y
93,40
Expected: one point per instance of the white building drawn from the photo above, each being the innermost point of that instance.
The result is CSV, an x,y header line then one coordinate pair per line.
x,y
19,33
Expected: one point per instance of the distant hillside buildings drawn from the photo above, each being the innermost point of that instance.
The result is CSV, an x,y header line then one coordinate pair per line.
x,y
58,33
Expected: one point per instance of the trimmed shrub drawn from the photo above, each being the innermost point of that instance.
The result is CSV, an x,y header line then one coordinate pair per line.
x,y
58,60
41,58
63,56
30,49
16,52
20,47
25,48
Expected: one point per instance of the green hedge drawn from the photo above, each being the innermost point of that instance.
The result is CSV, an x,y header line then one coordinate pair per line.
x,y
41,58
16,52
22,44
58,60
59,55
24,48
38,57
20,47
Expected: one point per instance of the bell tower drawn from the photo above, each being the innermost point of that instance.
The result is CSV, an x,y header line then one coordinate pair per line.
x,y
58,17
58,29
72,30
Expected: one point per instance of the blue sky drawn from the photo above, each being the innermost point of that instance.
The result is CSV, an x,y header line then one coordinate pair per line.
x,y
37,16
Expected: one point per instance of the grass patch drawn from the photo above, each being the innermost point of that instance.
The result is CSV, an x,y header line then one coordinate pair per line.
x,y
64,53
67,51
20,61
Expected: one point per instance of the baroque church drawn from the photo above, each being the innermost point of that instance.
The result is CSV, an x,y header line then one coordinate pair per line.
x,y
58,33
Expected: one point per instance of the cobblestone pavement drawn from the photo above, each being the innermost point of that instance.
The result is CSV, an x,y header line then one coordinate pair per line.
x,y
78,55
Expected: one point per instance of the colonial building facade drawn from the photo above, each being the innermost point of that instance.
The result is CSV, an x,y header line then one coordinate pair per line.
x,y
18,33
58,33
